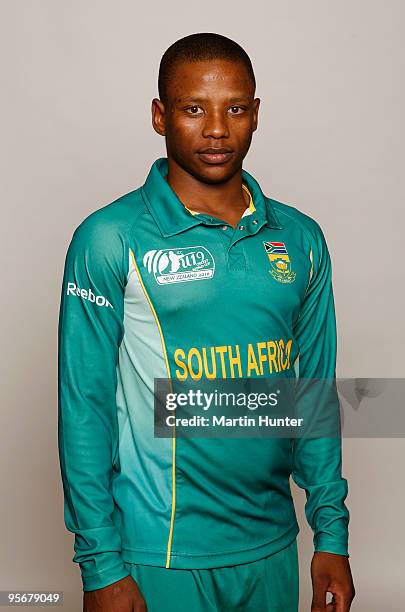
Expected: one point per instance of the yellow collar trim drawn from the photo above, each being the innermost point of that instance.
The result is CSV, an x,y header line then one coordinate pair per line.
x,y
251,205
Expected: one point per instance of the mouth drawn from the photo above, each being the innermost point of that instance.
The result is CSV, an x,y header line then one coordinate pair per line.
x,y
215,156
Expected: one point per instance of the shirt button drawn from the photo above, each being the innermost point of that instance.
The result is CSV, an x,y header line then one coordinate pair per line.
x,y
254,221
241,227
224,227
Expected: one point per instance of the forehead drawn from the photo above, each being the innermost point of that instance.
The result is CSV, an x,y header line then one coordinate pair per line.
x,y
209,77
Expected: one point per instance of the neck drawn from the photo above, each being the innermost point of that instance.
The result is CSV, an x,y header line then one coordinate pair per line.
x,y
221,200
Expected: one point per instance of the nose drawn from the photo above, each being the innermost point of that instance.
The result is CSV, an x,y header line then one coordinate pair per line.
x,y
216,124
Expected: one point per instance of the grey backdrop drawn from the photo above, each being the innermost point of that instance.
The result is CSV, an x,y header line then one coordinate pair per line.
x,y
78,79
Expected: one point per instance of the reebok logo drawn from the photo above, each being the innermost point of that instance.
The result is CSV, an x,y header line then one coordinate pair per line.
x,y
87,294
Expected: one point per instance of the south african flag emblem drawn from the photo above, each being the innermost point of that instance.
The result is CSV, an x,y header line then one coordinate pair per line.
x,y
280,262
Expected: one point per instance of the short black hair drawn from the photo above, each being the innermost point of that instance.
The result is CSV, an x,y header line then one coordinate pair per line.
x,y
200,47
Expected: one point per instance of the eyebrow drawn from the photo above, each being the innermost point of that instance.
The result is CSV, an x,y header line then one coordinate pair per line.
x,y
199,99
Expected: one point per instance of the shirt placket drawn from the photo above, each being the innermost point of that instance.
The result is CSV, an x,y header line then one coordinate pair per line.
x,y
232,238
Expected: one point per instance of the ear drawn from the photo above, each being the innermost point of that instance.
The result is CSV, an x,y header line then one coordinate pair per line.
x,y
256,105
158,116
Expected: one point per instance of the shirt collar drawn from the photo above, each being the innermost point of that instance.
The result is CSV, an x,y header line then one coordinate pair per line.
x,y
249,209
172,217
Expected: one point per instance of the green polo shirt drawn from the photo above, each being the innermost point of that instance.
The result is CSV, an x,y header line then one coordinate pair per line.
x,y
151,290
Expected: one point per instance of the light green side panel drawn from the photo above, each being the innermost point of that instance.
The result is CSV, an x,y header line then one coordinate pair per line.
x,y
145,481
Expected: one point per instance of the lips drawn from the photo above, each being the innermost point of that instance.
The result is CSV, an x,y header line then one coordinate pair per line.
x,y
215,156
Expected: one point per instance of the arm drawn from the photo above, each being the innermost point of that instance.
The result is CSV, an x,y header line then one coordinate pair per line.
x,y
90,331
317,465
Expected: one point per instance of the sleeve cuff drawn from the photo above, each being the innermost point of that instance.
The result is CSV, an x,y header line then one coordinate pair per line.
x,y
105,578
324,543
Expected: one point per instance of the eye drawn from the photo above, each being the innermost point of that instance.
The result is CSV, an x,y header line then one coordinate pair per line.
x,y
192,110
236,108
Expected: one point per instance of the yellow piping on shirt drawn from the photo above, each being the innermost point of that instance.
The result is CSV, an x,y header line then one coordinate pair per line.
x,y
169,543
312,267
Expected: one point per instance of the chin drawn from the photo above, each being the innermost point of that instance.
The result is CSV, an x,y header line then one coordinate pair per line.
x,y
215,174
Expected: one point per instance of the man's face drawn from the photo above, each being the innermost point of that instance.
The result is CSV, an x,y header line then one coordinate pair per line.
x,y
209,118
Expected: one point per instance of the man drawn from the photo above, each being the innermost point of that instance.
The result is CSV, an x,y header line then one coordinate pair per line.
x,y
196,273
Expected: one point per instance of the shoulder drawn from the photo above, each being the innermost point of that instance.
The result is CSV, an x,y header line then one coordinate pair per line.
x,y
111,223
298,222
296,219
100,243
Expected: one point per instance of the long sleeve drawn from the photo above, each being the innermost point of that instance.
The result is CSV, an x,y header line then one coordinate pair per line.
x,y
90,331
317,465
